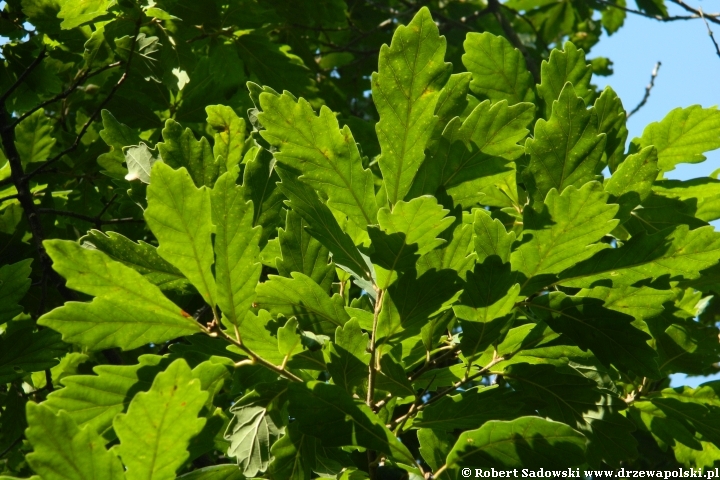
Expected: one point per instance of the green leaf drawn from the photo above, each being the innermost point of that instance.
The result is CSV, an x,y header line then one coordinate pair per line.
x,y
348,358
680,415
701,195
526,442
293,455
405,89
452,100
140,160
566,149
94,400
497,128
631,184
180,149
491,238
229,134
259,179
117,136
254,426
498,69
683,136
62,450
303,253
434,448
573,399
75,14
393,379
128,311
216,472
674,253
237,269
408,231
23,351
563,233
34,138
411,302
256,336
610,335
566,66
326,155
141,257
288,339
470,159
179,214
455,255
323,226
14,284
611,122
468,409
642,303
490,293
301,297
156,430
338,420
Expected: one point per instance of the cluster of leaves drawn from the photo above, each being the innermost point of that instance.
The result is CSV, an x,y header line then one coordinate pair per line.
x,y
458,270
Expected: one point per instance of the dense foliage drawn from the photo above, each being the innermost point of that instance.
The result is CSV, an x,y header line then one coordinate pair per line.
x,y
284,240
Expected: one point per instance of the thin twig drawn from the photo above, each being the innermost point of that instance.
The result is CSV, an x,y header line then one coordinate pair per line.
x,y
710,32
255,357
448,390
23,75
372,368
12,445
64,94
648,89
88,218
669,18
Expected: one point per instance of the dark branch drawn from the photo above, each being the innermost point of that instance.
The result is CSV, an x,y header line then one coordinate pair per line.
x,y
94,115
97,221
713,17
21,78
66,93
648,89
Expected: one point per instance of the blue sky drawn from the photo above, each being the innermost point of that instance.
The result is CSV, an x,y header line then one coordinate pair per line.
x,y
690,72
690,75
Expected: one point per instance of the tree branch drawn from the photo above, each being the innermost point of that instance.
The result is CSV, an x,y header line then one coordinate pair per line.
x,y
713,17
255,357
670,18
94,115
648,89
97,221
66,93
23,75
24,196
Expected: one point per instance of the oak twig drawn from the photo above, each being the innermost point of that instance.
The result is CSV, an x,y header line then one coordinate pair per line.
x,y
97,221
710,32
648,89
255,358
